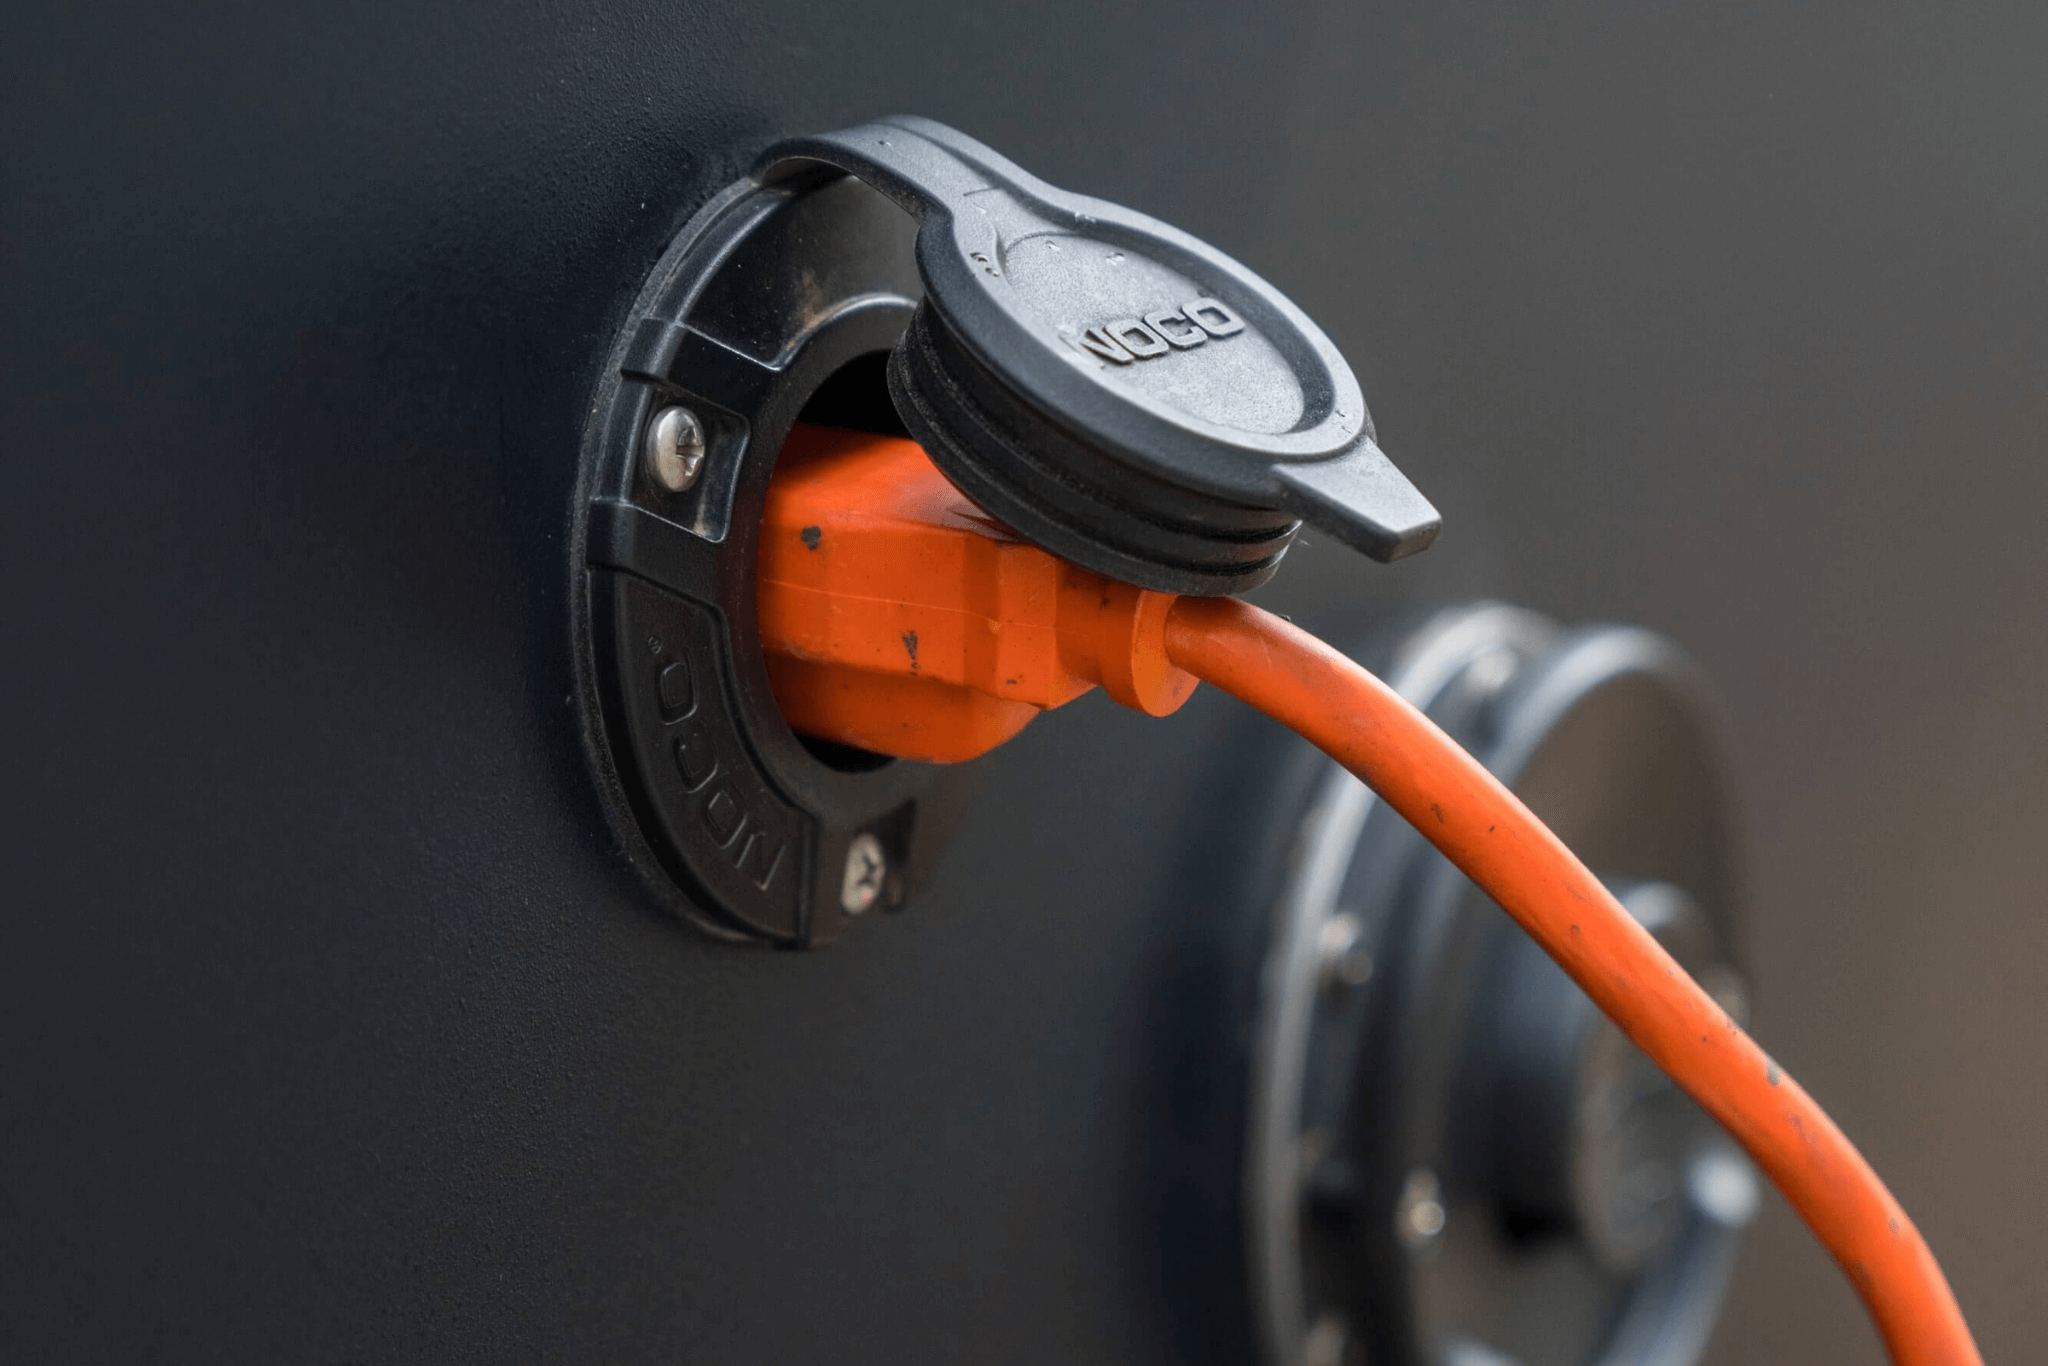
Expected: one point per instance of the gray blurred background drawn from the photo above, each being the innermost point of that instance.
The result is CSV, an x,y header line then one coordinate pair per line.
x,y
338,1030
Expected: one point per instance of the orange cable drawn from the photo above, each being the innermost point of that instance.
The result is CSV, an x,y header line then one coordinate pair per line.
x,y
1514,858
895,616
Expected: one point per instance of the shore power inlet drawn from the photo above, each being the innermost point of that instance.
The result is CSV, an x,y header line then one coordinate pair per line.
x,y
1105,385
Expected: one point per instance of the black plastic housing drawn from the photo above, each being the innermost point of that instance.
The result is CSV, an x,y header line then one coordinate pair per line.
x,y
767,295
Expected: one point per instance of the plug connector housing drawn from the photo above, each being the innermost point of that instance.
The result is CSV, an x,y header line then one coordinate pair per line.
x,y
898,617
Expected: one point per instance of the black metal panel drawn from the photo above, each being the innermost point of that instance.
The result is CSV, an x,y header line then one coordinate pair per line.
x,y
339,1030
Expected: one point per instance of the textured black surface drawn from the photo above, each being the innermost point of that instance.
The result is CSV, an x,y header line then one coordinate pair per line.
x,y
336,1030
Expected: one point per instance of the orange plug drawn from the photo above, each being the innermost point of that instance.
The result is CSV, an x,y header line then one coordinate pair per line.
x,y
898,617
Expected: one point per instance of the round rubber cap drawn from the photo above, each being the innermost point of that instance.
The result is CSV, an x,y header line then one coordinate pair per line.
x,y
1111,388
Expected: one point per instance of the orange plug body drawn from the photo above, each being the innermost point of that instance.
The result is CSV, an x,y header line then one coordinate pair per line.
x,y
898,617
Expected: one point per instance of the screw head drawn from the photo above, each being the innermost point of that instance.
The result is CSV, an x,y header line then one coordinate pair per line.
x,y
1490,671
867,870
1346,957
1329,1341
1419,1214
674,450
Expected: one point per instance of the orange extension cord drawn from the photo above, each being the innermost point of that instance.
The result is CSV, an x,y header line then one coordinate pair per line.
x,y
1513,857
895,616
